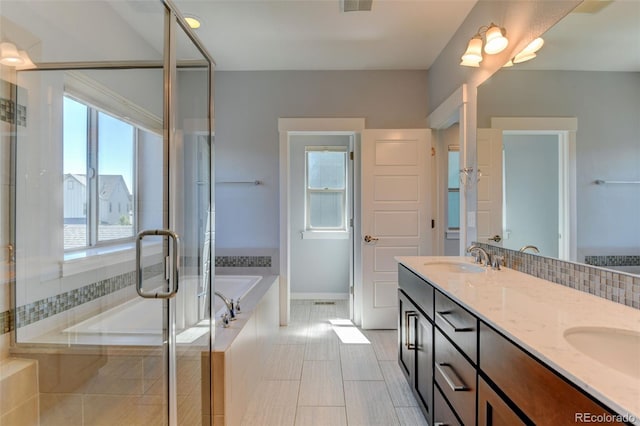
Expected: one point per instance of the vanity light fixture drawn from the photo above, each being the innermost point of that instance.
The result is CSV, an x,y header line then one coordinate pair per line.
x,y
193,21
11,56
527,53
494,41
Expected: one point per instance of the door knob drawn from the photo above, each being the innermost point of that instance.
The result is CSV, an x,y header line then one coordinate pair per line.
x,y
496,238
369,238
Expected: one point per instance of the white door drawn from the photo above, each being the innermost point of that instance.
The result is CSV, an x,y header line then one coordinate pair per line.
x,y
489,154
395,206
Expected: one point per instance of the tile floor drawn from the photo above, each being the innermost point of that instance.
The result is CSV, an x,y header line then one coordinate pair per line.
x,y
314,378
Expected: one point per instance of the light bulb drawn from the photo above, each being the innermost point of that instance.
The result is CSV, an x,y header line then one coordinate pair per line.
x,y
9,55
496,40
534,46
473,55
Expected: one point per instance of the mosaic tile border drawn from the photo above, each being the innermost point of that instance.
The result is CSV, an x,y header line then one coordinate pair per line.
x,y
244,261
612,260
44,308
616,286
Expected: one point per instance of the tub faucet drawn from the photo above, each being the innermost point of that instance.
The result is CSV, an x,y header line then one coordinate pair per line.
x,y
480,253
229,304
534,249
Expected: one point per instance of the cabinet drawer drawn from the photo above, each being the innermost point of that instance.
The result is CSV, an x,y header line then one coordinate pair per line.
x,y
456,377
542,395
458,324
442,414
421,291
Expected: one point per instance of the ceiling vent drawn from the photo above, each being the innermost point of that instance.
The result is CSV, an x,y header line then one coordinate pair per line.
x,y
356,5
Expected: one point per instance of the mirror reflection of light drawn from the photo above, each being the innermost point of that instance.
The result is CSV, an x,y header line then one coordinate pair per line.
x,y
347,332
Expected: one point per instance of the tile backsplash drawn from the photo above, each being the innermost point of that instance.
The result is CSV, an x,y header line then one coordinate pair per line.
x,y
619,287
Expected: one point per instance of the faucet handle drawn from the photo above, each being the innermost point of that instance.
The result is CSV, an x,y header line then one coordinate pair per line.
x,y
237,306
232,311
497,262
225,320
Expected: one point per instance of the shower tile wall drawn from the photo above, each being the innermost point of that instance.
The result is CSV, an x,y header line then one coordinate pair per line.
x,y
619,287
44,308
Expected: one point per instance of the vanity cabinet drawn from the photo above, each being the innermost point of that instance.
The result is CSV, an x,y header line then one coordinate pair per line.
x,y
541,394
415,338
493,410
464,372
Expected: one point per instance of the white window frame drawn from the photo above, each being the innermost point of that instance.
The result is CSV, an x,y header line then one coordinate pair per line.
x,y
319,232
451,233
93,199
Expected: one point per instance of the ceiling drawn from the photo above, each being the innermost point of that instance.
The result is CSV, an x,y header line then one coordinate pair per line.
x,y
605,38
316,35
306,34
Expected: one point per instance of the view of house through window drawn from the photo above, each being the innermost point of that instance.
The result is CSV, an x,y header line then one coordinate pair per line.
x,y
99,158
326,188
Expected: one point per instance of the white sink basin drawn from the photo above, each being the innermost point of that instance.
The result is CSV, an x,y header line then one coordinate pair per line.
x,y
614,347
457,267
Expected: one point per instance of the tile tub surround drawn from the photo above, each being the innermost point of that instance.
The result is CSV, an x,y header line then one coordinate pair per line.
x,y
239,352
535,313
18,391
612,285
42,309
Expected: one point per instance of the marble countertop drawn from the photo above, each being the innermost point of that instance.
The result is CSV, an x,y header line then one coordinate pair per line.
x,y
535,314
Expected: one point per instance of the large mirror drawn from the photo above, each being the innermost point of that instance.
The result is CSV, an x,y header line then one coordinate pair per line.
x,y
569,179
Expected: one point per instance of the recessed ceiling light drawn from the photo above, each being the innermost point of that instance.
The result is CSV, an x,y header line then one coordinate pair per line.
x,y
192,21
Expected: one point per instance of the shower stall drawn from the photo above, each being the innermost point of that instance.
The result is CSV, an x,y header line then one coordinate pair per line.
x,y
106,131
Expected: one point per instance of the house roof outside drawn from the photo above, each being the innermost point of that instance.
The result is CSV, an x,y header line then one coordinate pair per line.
x,y
108,183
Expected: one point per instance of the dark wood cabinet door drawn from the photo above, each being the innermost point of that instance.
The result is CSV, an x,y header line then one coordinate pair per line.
x,y
442,414
407,320
424,366
493,410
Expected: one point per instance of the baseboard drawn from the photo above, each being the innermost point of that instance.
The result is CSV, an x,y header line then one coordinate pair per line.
x,y
319,296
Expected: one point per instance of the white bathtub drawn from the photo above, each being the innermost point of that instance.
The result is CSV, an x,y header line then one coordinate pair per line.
x,y
143,317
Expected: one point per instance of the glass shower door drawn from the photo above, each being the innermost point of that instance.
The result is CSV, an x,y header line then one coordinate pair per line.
x,y
109,143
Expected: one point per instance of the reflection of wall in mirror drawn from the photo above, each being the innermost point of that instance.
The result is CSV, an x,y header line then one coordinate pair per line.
x,y
607,107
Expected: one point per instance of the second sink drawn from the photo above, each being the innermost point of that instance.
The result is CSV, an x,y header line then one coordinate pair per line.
x,y
617,348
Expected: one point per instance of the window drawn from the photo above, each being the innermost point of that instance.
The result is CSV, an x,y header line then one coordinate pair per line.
x,y
99,158
326,188
453,188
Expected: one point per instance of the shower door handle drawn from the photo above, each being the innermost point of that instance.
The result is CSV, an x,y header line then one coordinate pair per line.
x,y
173,271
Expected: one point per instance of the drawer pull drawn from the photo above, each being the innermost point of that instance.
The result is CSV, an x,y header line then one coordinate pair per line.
x,y
456,385
442,315
408,340
440,424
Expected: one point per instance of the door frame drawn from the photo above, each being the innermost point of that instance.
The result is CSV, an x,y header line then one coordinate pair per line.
x,y
565,128
301,126
459,108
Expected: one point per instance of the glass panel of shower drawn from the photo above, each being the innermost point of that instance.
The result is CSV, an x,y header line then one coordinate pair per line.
x,y
105,223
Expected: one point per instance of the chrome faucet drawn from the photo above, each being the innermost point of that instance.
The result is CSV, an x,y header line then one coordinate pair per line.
x,y
533,248
230,308
480,253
